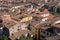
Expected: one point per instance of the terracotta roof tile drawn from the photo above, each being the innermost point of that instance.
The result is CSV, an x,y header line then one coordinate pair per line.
x,y
57,25
20,33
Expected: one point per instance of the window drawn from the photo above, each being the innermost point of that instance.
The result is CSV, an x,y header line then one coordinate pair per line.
x,y
58,31
19,27
37,13
48,0
20,17
48,34
41,30
44,32
1,20
12,34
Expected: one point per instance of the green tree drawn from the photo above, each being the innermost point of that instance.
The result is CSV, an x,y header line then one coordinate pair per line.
x,y
25,38
3,37
22,37
40,9
56,14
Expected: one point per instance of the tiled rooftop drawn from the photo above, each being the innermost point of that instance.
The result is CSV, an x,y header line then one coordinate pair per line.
x,y
10,19
20,33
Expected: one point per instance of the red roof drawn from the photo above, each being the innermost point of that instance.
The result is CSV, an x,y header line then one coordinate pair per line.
x,y
44,12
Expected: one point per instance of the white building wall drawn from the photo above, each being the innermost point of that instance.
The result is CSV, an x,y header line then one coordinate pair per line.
x,y
44,15
16,27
